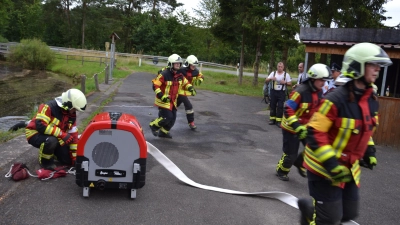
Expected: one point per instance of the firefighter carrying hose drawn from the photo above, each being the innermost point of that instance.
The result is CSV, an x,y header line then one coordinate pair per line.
x,y
166,86
53,129
339,136
194,77
298,110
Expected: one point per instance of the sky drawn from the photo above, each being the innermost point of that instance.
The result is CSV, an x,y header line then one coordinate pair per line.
x,y
392,8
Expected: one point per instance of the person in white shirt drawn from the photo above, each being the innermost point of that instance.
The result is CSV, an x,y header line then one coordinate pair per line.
x,y
280,80
302,75
330,84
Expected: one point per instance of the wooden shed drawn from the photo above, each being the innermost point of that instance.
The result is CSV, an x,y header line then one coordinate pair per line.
x,y
336,41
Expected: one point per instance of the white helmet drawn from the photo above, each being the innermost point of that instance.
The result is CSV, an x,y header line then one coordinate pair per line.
x,y
72,99
319,71
342,80
174,58
357,56
191,60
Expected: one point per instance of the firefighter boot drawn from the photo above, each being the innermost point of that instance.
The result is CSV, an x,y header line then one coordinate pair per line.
x,y
46,153
164,133
282,176
47,164
154,128
192,126
306,208
299,165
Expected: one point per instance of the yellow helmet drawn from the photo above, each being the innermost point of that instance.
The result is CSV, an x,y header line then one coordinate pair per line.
x,y
72,99
357,56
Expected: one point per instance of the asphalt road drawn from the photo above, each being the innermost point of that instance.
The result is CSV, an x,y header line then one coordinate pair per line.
x,y
233,148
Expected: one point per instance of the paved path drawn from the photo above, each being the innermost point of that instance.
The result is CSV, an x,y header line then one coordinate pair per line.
x,y
234,148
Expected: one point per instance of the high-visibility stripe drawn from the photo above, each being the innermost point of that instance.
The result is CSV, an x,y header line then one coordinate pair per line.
x,y
371,141
343,135
356,172
43,117
291,119
29,133
325,107
324,153
314,163
272,117
73,147
280,164
278,119
158,90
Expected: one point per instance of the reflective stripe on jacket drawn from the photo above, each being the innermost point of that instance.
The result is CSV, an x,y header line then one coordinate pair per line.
x,y
300,106
341,129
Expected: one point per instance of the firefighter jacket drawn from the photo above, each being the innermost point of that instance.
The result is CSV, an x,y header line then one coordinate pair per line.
x,y
340,130
168,83
191,76
300,106
53,120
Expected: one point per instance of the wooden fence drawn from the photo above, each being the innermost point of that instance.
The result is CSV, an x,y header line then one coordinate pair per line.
x,y
388,132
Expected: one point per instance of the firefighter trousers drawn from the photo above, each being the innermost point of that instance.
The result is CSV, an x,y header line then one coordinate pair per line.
x,y
50,146
188,107
166,119
290,154
333,205
276,105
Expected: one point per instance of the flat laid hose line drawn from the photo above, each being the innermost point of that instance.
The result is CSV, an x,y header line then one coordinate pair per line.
x,y
174,170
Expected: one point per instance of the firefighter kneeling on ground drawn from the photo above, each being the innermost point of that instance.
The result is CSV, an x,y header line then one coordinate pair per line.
x,y
298,110
53,129
339,136
194,77
166,86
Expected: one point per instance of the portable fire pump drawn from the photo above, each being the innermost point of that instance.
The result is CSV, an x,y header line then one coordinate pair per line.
x,y
112,153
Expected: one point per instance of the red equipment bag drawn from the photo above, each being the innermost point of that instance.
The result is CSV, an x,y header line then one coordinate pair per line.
x,y
18,171
44,174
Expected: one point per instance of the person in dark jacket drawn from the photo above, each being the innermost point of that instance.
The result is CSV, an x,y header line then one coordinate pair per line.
x,y
338,137
53,129
166,86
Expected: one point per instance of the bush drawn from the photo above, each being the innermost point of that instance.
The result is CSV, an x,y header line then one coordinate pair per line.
x,y
32,54
3,39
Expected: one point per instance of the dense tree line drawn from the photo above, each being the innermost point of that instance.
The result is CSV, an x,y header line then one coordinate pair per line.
x,y
253,32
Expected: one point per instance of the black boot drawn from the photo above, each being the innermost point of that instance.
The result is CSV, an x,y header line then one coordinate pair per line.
x,y
164,135
307,210
154,130
47,164
271,122
282,176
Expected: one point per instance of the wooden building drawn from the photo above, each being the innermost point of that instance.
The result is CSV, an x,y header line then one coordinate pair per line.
x,y
336,41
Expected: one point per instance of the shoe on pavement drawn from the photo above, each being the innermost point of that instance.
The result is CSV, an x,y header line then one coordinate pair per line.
x,y
154,130
164,135
192,126
271,122
283,177
306,208
278,124
47,164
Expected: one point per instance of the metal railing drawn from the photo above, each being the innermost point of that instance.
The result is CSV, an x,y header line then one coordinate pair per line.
x,y
5,47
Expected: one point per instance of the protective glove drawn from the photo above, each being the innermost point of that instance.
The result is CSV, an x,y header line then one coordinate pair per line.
x,y
341,174
197,82
191,90
67,138
301,131
165,99
369,159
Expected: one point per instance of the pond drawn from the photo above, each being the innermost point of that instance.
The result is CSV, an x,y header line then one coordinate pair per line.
x,y
21,91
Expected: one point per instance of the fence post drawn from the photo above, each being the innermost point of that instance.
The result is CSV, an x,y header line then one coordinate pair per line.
x,y
140,61
83,83
106,71
82,60
96,82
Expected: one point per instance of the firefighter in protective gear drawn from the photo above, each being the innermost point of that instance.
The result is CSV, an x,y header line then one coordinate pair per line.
x,y
339,134
166,86
298,110
194,77
53,129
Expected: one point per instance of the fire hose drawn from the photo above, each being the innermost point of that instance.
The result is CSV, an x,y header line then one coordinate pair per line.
x,y
174,170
